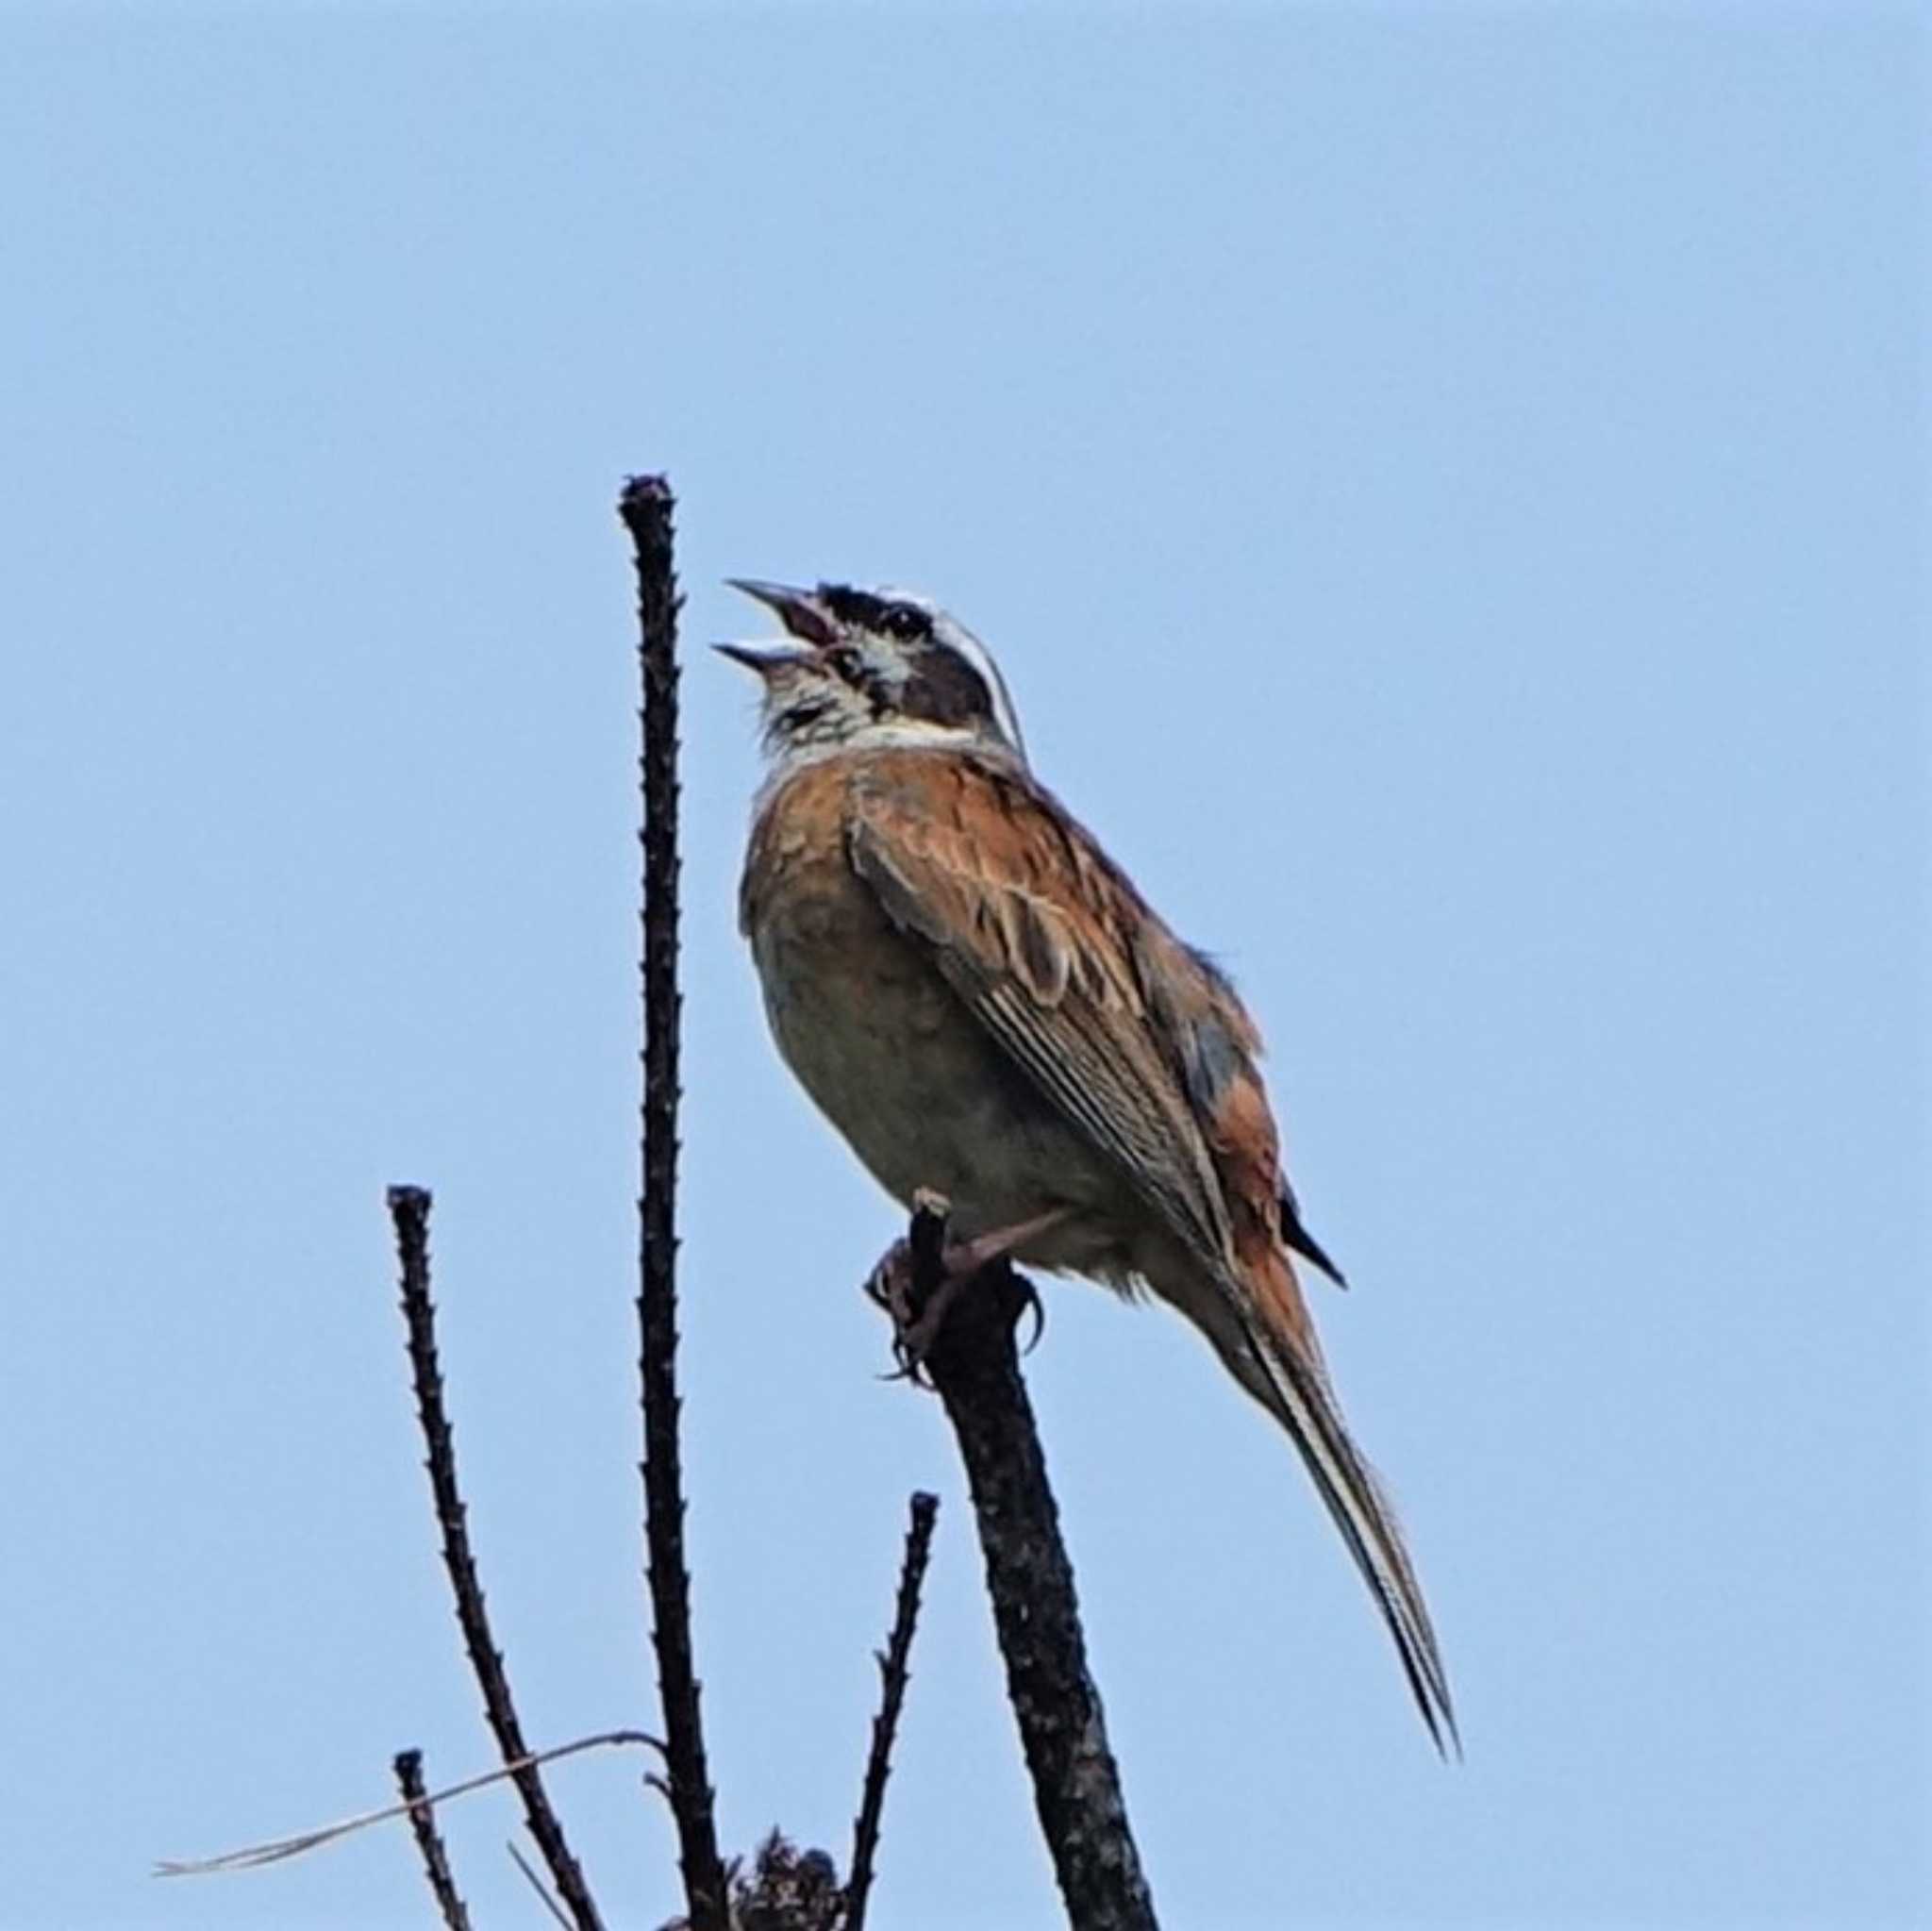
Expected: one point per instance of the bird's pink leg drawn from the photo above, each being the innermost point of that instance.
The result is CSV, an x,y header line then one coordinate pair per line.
x,y
967,1257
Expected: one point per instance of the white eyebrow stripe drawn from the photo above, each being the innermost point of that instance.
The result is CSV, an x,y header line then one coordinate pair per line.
x,y
962,639
954,635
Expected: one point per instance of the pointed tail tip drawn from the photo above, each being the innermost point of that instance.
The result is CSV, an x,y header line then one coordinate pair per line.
x,y
1430,1689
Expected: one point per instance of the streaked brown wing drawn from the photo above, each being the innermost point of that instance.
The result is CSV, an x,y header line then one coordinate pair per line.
x,y
1144,1047
1032,926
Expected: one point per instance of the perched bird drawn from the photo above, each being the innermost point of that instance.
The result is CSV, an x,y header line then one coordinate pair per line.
x,y
979,1000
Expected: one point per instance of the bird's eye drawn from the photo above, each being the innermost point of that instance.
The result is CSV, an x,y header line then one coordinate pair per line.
x,y
904,621
843,661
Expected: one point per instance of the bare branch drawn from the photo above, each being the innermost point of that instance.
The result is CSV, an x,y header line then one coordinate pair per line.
x,y
893,1678
409,1209
645,507
442,1885
973,1364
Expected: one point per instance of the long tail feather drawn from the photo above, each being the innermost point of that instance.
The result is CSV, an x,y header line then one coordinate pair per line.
x,y
1296,1391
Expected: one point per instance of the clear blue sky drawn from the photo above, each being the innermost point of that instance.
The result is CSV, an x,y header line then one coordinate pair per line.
x,y
1447,486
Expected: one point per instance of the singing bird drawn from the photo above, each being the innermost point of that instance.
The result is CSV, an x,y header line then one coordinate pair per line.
x,y
978,999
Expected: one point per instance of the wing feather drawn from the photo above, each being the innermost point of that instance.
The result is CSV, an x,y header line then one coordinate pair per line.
x,y
1026,919
1143,1047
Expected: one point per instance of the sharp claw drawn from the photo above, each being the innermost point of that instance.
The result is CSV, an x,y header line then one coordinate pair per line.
x,y
1036,1305
915,1338
886,1286
889,1287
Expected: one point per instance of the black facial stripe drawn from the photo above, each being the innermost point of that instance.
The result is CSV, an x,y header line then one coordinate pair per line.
x,y
803,712
945,690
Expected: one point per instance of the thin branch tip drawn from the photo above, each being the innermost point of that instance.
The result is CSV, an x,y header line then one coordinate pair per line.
x,y
646,506
410,1210
407,1765
894,1675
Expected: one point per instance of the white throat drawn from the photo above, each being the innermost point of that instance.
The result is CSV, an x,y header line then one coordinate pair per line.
x,y
890,734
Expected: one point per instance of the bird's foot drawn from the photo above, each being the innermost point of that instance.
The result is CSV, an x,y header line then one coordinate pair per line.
x,y
889,1287
917,1319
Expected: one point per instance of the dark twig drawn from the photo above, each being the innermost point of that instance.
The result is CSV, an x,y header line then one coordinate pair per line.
x,y
893,1677
645,507
1077,1789
409,1769
409,1209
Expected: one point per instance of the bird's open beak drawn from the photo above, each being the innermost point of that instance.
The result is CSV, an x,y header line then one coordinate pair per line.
x,y
763,661
802,613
